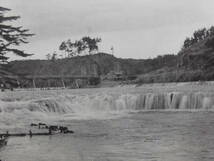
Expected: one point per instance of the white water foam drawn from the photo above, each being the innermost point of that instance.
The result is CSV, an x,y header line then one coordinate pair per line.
x,y
98,106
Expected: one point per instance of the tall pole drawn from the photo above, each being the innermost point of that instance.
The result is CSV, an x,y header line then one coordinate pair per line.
x,y
112,50
34,84
77,84
18,83
49,85
63,83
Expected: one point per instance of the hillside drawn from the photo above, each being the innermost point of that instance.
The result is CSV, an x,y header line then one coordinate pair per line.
x,y
194,62
198,56
98,64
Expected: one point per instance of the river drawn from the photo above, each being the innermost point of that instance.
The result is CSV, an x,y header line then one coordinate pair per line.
x,y
112,124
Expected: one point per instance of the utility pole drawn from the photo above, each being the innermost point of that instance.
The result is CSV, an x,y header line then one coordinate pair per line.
x,y
34,84
112,50
63,83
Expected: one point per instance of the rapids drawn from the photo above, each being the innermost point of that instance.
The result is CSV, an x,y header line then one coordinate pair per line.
x,y
170,122
21,107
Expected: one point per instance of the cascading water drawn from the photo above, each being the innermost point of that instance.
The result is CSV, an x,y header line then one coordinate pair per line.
x,y
99,105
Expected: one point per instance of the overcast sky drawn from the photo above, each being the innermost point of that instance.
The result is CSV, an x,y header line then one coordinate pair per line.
x,y
136,28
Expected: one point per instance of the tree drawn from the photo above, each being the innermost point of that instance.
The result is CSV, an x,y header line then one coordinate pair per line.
x,y
54,56
91,43
11,36
211,31
68,48
187,43
198,36
48,56
84,45
210,43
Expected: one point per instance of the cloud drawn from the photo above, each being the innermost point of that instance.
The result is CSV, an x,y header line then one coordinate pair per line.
x,y
77,16
57,19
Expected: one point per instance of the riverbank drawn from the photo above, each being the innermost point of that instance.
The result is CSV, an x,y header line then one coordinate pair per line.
x,y
197,86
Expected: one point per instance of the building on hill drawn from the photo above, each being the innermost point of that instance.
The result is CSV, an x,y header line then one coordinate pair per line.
x,y
115,76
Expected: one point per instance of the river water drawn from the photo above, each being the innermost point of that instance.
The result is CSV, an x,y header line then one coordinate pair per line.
x,y
121,124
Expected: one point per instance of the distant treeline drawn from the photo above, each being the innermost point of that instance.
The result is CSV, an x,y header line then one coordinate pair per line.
x,y
179,75
194,62
197,36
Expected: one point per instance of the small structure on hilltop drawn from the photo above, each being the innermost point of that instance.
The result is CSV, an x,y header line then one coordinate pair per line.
x,y
115,76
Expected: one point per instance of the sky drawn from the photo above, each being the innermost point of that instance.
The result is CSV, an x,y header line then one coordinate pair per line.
x,y
135,28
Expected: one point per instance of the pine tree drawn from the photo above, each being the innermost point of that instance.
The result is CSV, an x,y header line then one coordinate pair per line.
x,y
11,36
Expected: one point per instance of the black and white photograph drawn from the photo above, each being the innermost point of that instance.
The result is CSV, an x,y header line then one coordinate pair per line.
x,y
106,80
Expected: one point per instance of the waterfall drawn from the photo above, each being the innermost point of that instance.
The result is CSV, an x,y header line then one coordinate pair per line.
x,y
99,105
111,102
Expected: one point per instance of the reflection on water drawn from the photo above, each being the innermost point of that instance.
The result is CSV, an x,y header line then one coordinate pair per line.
x,y
148,136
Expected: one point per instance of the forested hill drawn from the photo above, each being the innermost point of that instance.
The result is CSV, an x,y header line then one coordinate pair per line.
x,y
194,62
97,64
